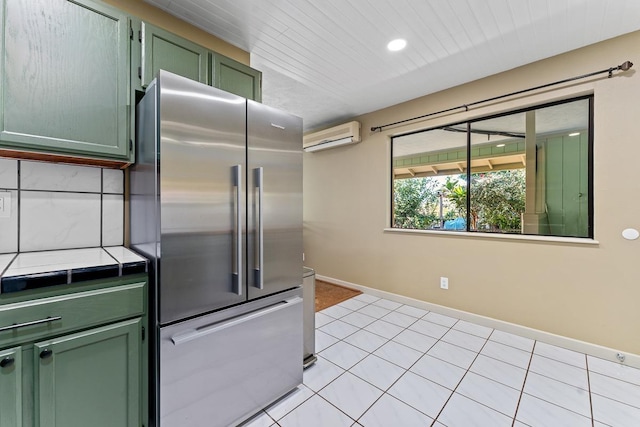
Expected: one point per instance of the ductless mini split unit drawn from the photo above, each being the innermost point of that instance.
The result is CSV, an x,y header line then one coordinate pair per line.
x,y
348,133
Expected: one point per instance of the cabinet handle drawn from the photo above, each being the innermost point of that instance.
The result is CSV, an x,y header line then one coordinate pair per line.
x,y
46,353
259,256
33,322
6,362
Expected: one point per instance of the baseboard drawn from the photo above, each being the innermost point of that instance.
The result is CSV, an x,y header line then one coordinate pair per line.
x,y
591,349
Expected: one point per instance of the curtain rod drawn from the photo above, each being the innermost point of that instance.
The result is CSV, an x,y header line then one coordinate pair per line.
x,y
624,67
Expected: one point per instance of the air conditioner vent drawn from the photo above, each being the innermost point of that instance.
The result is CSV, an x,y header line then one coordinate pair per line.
x,y
347,133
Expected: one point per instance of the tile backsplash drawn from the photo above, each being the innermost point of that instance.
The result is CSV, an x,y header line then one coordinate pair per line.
x,y
57,206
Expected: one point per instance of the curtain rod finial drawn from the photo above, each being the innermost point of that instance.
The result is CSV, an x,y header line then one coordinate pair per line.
x,y
626,65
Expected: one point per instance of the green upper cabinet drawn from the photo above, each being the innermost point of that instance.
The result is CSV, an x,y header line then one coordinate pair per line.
x,y
162,50
11,387
91,378
236,77
64,78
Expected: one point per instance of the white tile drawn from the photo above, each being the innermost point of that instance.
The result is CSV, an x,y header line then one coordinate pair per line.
x,y
399,354
47,261
59,177
324,340
388,304
352,304
399,319
112,220
8,174
336,311
463,412
614,370
464,340
123,255
377,371
374,311
290,401
595,424
614,413
512,340
112,181
5,260
344,354
261,419
438,371
559,371
358,319
428,328
507,354
437,424
415,340
569,397
440,319
499,371
412,311
490,393
615,389
316,412
561,354
519,424
366,298
389,411
420,393
366,340
322,319
473,329
9,225
539,413
321,373
58,220
338,329
351,395
453,354
384,329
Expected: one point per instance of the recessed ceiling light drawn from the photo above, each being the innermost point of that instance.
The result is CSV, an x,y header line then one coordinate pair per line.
x,y
396,45
500,145
574,134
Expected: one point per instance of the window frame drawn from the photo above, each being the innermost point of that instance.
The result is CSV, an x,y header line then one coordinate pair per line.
x,y
469,123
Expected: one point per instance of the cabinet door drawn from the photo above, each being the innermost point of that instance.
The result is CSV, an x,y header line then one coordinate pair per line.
x,y
90,378
162,50
11,387
236,77
64,72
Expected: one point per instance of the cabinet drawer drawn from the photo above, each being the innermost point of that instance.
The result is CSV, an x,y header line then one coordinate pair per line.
x,y
45,317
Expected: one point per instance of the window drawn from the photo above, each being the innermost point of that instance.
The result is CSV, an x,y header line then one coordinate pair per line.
x,y
524,172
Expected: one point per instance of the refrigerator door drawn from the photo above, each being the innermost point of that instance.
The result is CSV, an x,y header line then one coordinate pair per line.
x,y
274,166
219,369
202,152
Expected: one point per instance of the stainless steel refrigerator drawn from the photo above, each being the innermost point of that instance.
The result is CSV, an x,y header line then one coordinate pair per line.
x,y
216,205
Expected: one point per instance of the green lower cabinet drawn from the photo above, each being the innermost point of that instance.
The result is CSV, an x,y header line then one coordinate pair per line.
x,y
91,378
235,77
11,387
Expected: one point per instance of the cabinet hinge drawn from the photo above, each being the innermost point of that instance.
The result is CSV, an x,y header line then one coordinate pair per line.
x,y
144,334
130,33
140,36
130,145
140,73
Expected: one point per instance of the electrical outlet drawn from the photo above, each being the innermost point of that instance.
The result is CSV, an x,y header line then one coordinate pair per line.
x,y
5,204
444,283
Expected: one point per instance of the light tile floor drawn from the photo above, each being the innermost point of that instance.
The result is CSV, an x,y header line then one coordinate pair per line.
x,y
384,364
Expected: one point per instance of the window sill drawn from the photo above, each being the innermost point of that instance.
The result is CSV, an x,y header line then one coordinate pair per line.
x,y
494,236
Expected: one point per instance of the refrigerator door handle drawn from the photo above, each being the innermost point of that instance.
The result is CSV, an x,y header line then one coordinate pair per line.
x,y
216,327
259,256
237,273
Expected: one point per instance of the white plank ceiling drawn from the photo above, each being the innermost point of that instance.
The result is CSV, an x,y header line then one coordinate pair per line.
x,y
326,60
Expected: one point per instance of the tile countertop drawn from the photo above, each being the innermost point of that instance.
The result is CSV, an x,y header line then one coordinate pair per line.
x,y
31,270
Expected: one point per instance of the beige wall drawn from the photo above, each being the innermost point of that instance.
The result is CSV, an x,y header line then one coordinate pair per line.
x,y
160,18
586,292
